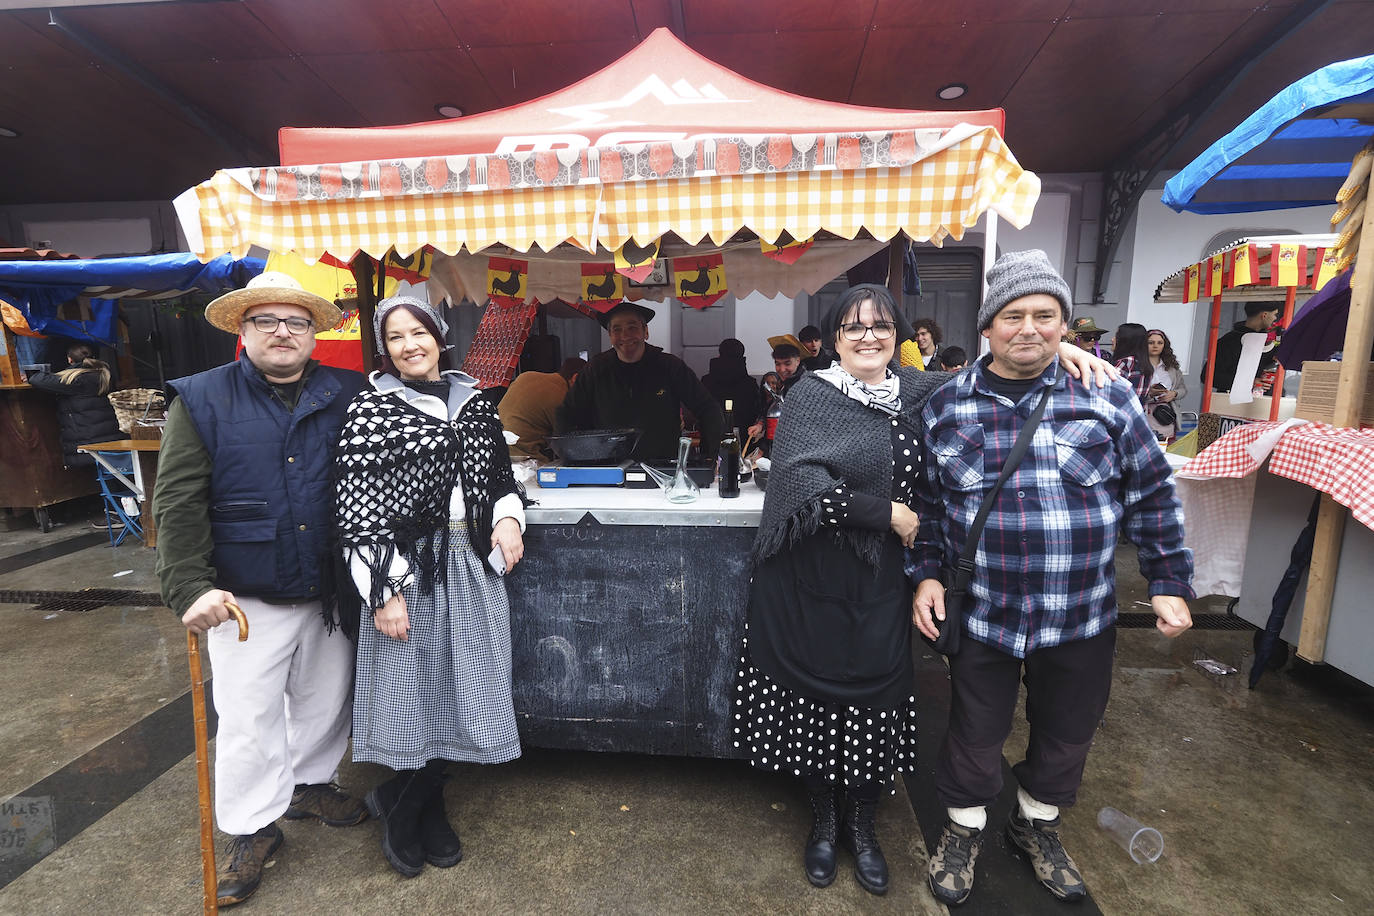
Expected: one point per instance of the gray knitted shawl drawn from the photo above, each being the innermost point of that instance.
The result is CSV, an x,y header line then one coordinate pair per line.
x,y
826,439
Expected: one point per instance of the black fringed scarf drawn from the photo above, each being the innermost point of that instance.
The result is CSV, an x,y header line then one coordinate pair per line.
x,y
395,470
825,438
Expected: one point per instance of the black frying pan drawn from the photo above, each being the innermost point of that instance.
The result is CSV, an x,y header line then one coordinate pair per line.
x,y
595,446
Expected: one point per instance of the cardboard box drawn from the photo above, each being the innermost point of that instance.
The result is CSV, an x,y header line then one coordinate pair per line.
x,y
1317,393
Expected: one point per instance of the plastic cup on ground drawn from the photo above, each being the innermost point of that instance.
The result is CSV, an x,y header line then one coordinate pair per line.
x,y
1145,844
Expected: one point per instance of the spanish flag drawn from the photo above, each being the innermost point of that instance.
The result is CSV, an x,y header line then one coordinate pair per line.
x,y
1325,271
1215,266
1191,278
1243,266
342,345
1288,265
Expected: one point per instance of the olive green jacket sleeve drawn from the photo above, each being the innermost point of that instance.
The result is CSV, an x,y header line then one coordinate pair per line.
x,y
181,509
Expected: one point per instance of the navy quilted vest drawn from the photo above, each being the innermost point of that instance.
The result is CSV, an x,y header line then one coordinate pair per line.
x,y
271,500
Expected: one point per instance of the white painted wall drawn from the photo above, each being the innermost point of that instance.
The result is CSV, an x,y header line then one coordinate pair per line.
x,y
758,317
1048,229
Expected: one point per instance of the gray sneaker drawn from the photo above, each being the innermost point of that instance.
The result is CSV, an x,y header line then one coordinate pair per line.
x,y
1038,841
951,867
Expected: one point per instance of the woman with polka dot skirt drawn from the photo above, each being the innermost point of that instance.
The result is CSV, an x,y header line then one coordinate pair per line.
x,y
824,685
429,518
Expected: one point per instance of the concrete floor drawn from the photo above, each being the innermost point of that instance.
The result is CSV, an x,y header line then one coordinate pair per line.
x,y
1265,798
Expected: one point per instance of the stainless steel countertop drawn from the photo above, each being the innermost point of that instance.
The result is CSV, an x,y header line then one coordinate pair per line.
x,y
619,506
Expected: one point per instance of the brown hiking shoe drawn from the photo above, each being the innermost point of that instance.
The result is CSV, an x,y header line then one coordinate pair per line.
x,y
951,865
244,859
326,803
1038,841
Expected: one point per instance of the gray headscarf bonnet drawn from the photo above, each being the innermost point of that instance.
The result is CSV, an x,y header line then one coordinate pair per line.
x,y
386,305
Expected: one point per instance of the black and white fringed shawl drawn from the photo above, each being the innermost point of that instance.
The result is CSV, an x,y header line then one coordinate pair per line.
x,y
826,438
395,471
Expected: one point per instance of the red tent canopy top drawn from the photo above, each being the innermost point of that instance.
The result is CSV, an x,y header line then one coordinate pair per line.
x,y
661,90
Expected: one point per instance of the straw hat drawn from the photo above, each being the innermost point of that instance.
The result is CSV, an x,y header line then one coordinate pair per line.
x,y
270,288
778,340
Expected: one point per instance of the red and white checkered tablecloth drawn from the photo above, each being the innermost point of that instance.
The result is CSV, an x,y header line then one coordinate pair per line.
x,y
1231,455
1337,461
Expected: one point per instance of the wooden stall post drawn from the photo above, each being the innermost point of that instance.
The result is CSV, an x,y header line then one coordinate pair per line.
x,y
1214,325
361,265
1326,553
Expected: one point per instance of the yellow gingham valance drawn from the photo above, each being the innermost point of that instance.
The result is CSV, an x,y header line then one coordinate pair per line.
x,y
936,197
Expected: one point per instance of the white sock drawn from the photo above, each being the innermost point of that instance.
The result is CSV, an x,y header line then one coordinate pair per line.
x,y
1033,810
973,818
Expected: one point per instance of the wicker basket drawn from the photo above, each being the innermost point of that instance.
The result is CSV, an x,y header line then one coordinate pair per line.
x,y
137,404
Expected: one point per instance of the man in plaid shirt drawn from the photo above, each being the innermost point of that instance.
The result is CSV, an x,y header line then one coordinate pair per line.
x,y
1042,601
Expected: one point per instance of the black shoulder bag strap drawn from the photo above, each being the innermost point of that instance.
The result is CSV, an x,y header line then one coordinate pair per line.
x,y
963,573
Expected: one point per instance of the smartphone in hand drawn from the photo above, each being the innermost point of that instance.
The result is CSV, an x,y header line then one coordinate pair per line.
x,y
497,560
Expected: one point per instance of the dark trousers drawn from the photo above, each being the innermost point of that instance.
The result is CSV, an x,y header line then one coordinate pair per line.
x,y
1066,694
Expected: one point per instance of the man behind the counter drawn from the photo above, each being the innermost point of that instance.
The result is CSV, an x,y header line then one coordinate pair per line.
x,y
635,384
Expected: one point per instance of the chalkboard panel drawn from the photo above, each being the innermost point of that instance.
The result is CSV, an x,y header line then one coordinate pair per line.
x,y
625,637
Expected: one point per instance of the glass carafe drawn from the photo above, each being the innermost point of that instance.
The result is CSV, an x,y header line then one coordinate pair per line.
x,y
683,489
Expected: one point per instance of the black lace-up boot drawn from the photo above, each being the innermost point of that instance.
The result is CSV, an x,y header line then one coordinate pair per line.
x,y
820,845
860,837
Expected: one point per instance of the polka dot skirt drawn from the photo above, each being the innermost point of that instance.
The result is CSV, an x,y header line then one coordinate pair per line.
x,y
847,745
786,732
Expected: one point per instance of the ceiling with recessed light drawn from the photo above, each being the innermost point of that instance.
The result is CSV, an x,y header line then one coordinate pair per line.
x,y
139,101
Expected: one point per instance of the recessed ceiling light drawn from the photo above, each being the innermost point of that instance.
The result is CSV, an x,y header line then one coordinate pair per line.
x,y
448,111
951,91
8,132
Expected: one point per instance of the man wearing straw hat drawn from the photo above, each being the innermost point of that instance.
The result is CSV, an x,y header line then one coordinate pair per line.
x,y
244,504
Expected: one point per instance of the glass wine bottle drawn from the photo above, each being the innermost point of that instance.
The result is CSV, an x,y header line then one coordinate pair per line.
x,y
727,464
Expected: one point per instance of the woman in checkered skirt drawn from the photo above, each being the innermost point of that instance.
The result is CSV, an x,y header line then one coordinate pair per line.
x,y
429,518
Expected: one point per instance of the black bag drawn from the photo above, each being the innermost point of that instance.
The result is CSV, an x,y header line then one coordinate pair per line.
x,y
949,629
1165,414
956,579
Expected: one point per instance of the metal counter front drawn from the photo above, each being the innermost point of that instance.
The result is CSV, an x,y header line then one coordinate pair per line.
x,y
626,618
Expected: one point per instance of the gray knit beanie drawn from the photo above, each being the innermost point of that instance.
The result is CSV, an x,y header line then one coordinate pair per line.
x,y
1022,273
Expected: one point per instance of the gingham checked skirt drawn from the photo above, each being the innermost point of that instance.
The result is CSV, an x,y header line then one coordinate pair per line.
x,y
445,692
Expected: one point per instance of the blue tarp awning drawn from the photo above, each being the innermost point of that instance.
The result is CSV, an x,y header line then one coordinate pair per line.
x,y
1294,151
38,288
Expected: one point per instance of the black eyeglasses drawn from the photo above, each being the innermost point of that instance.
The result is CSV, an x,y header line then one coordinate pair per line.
x,y
882,330
268,324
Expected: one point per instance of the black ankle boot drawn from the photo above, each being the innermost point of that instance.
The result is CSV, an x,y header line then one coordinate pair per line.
x,y
397,804
437,835
860,836
820,845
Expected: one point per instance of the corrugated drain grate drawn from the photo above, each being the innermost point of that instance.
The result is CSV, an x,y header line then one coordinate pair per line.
x,y
85,600
1135,621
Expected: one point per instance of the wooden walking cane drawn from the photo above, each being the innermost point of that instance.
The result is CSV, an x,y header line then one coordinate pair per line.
x,y
207,832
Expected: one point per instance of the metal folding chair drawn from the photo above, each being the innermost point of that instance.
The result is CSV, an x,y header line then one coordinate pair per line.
x,y
113,492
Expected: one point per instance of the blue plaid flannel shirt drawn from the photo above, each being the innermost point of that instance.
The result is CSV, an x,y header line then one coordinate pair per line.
x,y
1045,569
